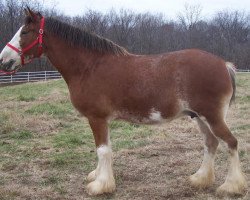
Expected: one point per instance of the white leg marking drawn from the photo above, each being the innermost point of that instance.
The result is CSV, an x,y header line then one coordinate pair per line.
x,y
104,181
235,181
204,177
92,175
155,115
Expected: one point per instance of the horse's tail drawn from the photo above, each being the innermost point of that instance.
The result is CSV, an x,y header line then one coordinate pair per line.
x,y
232,69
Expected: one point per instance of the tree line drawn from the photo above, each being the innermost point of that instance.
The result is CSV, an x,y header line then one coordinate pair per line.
x,y
226,33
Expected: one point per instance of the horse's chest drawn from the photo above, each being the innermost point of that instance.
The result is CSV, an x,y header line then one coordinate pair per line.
x,y
80,100
90,103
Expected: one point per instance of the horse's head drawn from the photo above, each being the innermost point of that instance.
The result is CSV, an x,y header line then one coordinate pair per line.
x,y
25,45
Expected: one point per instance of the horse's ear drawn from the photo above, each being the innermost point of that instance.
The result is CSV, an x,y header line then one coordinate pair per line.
x,y
31,14
26,11
39,15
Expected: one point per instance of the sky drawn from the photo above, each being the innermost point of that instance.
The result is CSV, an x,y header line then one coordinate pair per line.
x,y
169,8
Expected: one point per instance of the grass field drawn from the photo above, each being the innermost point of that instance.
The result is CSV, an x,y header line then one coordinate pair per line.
x,y
47,149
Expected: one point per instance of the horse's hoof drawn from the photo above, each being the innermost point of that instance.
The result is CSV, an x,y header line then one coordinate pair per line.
x,y
98,187
230,188
201,181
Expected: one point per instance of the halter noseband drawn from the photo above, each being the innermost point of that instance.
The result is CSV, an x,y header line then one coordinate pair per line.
x,y
38,41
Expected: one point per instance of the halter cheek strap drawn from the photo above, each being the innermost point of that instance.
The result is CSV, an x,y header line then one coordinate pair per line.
x,y
21,52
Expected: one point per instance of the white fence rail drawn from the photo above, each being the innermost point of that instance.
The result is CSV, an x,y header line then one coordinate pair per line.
x,y
243,70
21,77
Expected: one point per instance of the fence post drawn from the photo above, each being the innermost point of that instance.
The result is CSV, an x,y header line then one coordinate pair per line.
x,y
45,75
28,77
11,80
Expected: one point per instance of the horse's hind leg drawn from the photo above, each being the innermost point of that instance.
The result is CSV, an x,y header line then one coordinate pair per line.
x,y
235,182
101,179
204,177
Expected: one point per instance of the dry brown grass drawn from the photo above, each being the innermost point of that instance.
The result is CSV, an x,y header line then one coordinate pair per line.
x,y
47,165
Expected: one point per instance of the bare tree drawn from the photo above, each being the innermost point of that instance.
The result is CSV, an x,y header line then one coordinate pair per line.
x,y
92,21
190,16
231,34
121,26
227,34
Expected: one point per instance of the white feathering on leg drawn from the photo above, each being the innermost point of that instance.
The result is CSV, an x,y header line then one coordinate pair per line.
x,y
204,177
104,181
235,182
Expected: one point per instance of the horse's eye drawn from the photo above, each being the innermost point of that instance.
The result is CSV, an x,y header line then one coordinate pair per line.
x,y
24,32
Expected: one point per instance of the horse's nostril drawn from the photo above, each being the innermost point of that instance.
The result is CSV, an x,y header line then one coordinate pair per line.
x,y
1,61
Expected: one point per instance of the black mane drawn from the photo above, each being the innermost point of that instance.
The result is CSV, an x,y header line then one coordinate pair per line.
x,y
82,38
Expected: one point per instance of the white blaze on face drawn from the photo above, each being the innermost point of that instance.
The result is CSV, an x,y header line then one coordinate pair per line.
x,y
9,54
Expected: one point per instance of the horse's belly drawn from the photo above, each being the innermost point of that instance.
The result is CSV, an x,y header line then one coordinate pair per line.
x,y
152,117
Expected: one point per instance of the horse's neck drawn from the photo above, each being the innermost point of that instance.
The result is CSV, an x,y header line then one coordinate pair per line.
x,y
69,61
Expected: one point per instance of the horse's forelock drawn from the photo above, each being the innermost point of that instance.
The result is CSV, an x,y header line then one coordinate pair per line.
x,y
28,20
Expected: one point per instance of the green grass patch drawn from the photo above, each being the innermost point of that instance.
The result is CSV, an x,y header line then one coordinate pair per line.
x,y
10,195
125,129
25,177
242,153
244,99
66,158
7,128
128,136
60,189
242,80
129,144
9,166
54,109
4,116
23,135
2,181
242,127
9,148
122,125
74,134
69,140
31,90
72,159
26,98
51,180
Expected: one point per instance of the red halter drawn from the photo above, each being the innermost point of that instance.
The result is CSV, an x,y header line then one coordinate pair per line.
x,y
21,52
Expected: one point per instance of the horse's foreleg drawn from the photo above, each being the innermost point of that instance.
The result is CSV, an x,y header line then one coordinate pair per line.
x,y
102,177
204,177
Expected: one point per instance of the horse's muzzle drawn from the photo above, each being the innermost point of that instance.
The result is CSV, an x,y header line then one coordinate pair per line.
x,y
7,66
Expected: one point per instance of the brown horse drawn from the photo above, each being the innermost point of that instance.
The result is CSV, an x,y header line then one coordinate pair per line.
x,y
106,82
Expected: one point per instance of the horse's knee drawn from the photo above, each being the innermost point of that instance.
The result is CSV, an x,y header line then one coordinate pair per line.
x,y
232,143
